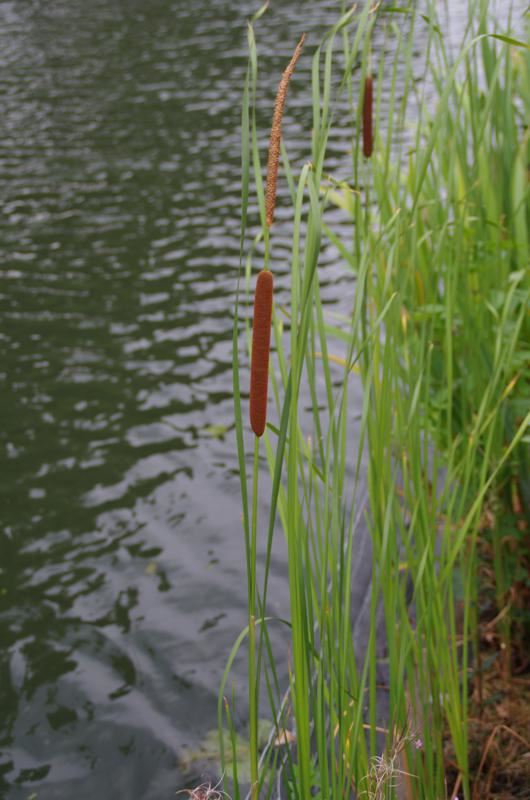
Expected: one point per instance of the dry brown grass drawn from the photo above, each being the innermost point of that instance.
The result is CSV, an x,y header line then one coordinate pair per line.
x,y
499,720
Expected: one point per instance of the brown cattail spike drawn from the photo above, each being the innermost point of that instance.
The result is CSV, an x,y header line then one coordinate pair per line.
x,y
259,368
368,134
276,135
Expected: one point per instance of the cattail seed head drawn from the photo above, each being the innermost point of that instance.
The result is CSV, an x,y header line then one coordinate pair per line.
x,y
259,366
276,135
368,134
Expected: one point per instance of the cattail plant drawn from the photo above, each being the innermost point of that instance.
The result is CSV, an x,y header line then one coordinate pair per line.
x,y
259,370
276,134
368,134
259,379
259,374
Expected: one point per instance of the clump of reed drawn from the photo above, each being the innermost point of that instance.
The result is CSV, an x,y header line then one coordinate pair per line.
x,y
437,252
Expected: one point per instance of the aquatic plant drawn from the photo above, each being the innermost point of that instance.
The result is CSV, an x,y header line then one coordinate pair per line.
x,y
436,252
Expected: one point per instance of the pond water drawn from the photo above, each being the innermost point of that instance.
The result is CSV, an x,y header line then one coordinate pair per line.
x,y
122,583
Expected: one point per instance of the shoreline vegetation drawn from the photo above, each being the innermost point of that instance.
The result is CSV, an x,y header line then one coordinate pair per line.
x,y
434,236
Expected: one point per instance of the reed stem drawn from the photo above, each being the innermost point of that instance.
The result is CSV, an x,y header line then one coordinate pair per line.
x,y
253,699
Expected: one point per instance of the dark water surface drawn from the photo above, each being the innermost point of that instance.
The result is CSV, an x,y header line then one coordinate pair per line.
x,y
122,583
